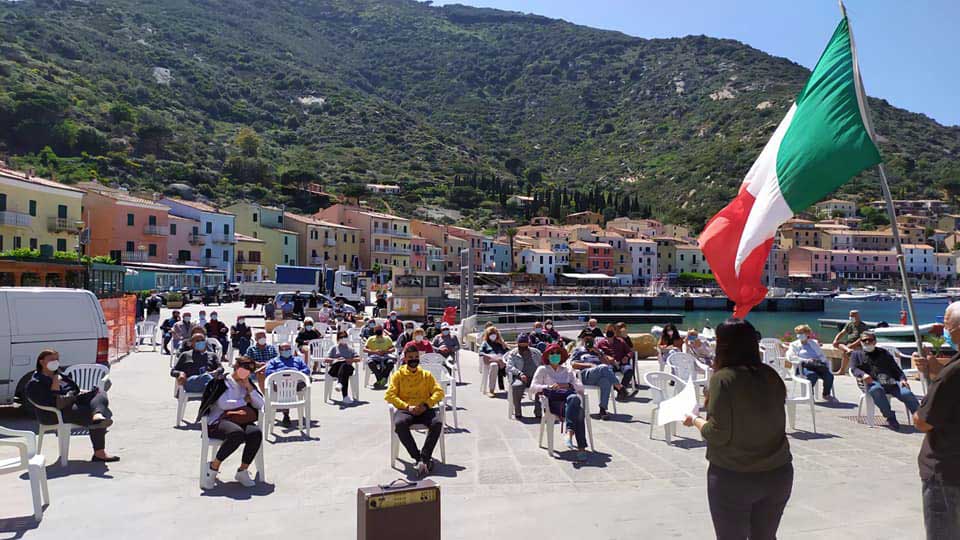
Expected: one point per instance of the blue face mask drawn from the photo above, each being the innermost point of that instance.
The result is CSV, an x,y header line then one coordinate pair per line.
x,y
309,327
947,340
200,345
286,354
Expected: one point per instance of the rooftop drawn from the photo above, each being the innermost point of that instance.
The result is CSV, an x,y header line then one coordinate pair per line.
x,y
244,238
123,196
316,222
36,180
203,207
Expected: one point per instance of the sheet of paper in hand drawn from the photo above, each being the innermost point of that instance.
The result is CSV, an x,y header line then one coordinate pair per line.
x,y
679,406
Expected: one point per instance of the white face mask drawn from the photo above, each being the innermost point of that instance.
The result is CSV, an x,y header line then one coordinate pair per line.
x,y
53,365
492,339
262,341
869,347
803,337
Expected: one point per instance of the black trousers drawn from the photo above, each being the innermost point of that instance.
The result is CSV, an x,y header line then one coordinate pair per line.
x,y
342,371
748,505
233,435
81,413
380,366
402,421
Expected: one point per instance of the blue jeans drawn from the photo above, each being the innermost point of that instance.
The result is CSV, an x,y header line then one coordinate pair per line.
x,y
603,377
816,372
941,509
573,415
879,395
197,383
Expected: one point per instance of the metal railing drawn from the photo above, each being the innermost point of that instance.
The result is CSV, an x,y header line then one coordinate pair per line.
x,y
209,261
134,256
15,219
58,224
156,230
197,239
221,238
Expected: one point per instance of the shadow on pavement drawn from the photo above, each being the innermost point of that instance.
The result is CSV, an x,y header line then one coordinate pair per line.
x,y
17,526
95,469
233,490
594,459
810,436
687,443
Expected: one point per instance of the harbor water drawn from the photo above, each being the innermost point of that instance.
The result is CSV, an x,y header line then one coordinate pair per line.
x,y
775,324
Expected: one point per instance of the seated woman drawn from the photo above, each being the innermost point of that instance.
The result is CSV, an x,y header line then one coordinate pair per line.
x,y
670,340
341,358
307,334
813,363
558,382
232,405
492,350
697,347
419,340
49,387
549,330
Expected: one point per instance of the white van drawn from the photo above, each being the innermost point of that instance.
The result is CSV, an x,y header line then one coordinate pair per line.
x,y
36,318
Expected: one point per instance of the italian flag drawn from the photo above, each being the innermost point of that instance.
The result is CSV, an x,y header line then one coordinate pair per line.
x,y
824,140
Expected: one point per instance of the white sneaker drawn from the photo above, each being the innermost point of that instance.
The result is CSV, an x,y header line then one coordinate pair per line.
x,y
347,400
209,480
244,478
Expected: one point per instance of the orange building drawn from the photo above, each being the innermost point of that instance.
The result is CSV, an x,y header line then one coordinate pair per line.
x,y
127,228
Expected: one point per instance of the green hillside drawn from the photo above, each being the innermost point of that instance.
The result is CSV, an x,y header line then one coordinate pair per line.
x,y
462,106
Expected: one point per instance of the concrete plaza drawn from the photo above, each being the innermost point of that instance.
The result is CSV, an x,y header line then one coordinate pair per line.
x,y
851,481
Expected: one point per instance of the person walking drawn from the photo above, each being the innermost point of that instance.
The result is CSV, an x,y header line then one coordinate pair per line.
x,y
750,477
939,419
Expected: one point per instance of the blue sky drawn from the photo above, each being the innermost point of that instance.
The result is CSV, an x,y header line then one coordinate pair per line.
x,y
909,50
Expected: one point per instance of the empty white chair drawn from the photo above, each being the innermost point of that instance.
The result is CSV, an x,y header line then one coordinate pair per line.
x,y
663,386
866,399
684,366
395,441
773,353
353,334
799,390
282,394
209,447
436,364
146,331
88,376
29,460
62,430
548,421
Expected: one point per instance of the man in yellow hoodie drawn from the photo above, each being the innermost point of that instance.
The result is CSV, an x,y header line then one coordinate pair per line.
x,y
415,394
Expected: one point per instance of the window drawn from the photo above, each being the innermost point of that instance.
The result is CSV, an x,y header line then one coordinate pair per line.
x,y
62,211
209,227
254,217
3,202
173,229
115,254
130,246
152,220
253,256
286,240
226,255
208,253
226,229
152,250
183,255
129,220
33,243
286,258
61,244
33,208
280,219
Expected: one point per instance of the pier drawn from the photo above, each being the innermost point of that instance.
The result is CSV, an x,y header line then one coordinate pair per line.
x,y
623,304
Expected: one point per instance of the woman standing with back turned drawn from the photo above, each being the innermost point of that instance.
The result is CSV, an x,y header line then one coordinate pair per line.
x,y
750,475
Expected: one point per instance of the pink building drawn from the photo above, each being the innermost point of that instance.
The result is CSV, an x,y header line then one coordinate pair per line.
x,y
184,241
418,253
127,228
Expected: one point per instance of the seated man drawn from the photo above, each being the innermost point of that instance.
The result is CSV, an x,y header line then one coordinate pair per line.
x,y
432,327
196,367
307,334
522,363
697,347
415,394
167,328
596,369
881,375
813,363
181,331
847,339
539,337
447,344
287,361
380,358
616,347
261,352
405,337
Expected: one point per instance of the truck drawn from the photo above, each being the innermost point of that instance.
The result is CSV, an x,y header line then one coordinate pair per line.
x,y
336,283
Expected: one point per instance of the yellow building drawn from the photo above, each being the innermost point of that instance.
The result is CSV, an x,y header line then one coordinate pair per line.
x,y
280,245
325,244
249,257
36,212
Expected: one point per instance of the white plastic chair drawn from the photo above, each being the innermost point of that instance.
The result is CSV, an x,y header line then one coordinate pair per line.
x,y
88,376
613,399
63,431
146,331
797,366
909,372
537,357
772,350
799,391
485,368
395,441
661,390
209,447
182,397
214,346
865,399
329,381
30,460
435,363
281,335
318,351
548,421
282,394
353,334
684,367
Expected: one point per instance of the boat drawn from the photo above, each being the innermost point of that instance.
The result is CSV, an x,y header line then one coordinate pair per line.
x,y
865,297
904,330
931,298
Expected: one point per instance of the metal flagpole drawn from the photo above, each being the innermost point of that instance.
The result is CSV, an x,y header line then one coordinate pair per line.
x,y
885,187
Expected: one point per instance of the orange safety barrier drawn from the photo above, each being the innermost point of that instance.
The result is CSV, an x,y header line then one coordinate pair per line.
x,y
121,315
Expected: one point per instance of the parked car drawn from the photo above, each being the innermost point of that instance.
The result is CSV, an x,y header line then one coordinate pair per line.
x,y
36,318
210,294
232,292
313,300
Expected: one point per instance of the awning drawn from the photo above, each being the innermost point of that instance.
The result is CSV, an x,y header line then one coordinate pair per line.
x,y
593,277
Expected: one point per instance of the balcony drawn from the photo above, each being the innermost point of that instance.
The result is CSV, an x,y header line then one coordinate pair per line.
x,y
15,219
58,225
330,242
197,239
210,261
223,238
134,256
388,249
390,232
156,230
317,261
